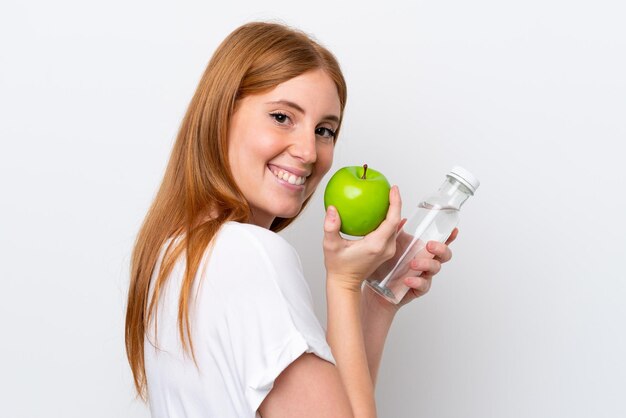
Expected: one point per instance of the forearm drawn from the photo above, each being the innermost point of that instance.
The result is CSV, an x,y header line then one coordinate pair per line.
x,y
345,338
376,316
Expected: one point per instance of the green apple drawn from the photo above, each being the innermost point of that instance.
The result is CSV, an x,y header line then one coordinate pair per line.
x,y
361,196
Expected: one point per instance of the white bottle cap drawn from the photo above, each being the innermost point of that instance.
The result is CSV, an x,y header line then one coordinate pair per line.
x,y
465,177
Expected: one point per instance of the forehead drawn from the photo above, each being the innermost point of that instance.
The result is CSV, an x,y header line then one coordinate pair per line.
x,y
314,91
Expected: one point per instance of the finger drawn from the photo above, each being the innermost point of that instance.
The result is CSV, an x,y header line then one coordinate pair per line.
x,y
332,225
427,266
389,226
452,236
420,285
441,251
402,223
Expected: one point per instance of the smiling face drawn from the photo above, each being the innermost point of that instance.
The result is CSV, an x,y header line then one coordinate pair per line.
x,y
281,143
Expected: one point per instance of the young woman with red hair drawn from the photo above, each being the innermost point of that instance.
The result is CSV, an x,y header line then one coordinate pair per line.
x,y
219,320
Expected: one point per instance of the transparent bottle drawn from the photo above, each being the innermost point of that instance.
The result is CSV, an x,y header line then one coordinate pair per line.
x,y
434,220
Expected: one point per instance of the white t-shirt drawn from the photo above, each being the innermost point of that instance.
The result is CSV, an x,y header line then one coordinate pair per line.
x,y
251,317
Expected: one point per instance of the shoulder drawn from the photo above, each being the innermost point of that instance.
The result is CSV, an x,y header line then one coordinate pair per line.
x,y
256,260
268,308
241,238
253,232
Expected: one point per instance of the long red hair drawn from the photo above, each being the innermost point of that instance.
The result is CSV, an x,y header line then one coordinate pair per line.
x,y
198,193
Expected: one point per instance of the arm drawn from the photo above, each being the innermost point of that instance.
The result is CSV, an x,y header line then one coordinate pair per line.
x,y
311,387
345,338
377,314
347,264
376,317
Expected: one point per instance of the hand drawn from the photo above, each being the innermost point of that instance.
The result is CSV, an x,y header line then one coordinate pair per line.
x,y
350,262
403,240
420,285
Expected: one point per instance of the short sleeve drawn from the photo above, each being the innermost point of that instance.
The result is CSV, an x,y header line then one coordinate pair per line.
x,y
269,310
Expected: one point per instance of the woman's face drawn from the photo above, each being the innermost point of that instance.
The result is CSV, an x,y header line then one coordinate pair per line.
x,y
281,144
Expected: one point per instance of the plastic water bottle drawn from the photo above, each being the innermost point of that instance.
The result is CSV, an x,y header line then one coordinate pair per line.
x,y
435,219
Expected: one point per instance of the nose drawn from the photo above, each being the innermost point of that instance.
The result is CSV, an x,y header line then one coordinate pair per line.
x,y
303,147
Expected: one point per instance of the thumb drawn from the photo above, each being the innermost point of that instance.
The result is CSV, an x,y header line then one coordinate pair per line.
x,y
332,223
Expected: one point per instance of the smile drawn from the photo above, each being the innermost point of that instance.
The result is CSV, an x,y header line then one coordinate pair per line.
x,y
288,177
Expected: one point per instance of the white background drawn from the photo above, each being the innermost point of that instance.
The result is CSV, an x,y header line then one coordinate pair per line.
x,y
527,320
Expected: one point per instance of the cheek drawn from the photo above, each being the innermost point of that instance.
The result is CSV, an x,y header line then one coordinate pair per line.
x,y
325,159
322,165
248,151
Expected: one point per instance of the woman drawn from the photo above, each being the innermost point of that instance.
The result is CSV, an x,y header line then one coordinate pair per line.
x,y
219,320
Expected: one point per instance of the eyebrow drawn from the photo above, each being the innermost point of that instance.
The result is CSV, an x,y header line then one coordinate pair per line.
x,y
332,118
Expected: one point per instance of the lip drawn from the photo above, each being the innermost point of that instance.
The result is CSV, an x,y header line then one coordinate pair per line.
x,y
286,184
294,171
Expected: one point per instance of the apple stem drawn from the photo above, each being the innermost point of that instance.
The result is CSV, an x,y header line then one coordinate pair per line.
x,y
364,171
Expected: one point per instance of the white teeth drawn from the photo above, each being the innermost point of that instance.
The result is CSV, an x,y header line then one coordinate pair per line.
x,y
288,177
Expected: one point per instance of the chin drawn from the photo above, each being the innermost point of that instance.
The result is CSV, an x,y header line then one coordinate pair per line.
x,y
288,213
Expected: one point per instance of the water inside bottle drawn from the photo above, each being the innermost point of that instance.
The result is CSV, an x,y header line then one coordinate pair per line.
x,y
429,223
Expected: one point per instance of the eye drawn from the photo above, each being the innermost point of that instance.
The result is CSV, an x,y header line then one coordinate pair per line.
x,y
279,117
325,133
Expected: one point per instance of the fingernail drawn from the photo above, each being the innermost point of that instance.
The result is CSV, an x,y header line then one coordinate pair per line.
x,y
332,214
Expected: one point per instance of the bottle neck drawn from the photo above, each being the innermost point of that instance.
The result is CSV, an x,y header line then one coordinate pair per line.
x,y
452,193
